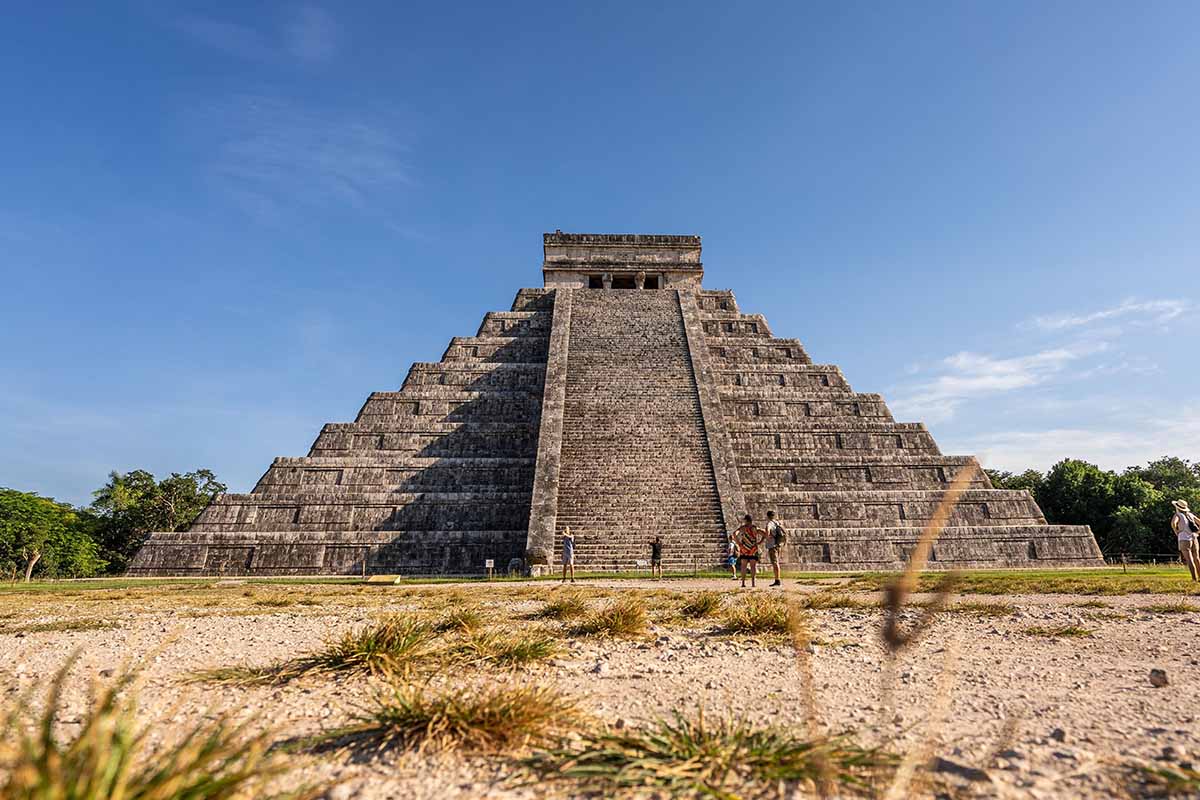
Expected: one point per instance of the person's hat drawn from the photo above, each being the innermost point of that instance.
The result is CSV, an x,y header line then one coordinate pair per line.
x,y
1180,505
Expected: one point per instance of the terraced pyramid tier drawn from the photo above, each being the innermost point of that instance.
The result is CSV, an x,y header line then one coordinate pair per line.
x,y
625,401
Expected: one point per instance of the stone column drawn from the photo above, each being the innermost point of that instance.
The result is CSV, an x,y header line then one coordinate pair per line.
x,y
607,280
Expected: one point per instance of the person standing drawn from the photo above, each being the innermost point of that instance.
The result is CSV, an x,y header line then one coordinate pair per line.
x,y
656,558
776,536
1187,532
749,538
568,554
732,560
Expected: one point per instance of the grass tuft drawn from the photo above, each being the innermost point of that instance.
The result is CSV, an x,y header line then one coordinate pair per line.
x,y
1172,607
699,606
110,755
978,609
625,617
63,626
505,649
757,614
691,758
460,619
391,647
1162,781
1057,631
273,602
569,607
487,719
822,601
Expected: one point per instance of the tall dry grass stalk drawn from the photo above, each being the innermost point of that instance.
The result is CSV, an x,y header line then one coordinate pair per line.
x,y
110,755
896,639
898,591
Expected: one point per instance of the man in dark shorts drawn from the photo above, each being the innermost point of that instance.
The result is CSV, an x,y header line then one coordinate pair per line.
x,y
656,557
748,539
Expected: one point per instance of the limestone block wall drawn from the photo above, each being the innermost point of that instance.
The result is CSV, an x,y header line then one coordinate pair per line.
x,y
853,486
435,477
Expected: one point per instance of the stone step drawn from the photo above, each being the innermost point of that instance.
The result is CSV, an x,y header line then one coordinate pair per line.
x,y
634,445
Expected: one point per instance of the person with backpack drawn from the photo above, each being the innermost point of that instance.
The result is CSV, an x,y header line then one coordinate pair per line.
x,y
776,538
1187,531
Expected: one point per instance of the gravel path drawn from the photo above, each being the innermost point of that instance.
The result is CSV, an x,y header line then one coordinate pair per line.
x,y
1042,716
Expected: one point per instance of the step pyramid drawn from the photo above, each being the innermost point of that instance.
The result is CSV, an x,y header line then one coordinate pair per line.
x,y
623,400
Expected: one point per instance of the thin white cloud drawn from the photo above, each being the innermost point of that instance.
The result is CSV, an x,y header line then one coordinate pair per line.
x,y
1145,311
312,35
967,376
228,37
1140,439
272,155
308,35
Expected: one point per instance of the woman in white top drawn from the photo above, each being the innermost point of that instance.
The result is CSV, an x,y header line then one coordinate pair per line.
x,y
1184,523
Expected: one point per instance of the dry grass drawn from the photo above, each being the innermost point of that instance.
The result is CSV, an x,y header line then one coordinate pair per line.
x,y
391,647
1172,607
701,605
688,757
1057,631
274,602
624,618
110,755
462,619
822,601
1162,781
62,626
1091,604
759,613
487,719
504,649
569,607
977,609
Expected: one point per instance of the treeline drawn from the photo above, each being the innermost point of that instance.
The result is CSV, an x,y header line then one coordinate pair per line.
x,y
44,538
1129,511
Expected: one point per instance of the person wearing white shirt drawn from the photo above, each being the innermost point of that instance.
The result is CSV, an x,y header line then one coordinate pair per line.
x,y
1187,531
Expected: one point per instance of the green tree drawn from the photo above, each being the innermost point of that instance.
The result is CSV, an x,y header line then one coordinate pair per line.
x,y
134,504
1030,480
1076,492
1171,479
38,533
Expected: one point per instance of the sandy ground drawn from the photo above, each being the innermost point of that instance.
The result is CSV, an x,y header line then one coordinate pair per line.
x,y
1042,716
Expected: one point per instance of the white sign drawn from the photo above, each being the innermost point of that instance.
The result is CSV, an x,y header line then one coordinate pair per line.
x,y
641,562
490,563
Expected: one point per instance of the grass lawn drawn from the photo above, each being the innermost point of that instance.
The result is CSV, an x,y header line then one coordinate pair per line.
x,y
1137,579
1140,579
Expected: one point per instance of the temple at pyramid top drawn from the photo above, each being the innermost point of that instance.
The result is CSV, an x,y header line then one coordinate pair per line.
x,y
623,415
621,261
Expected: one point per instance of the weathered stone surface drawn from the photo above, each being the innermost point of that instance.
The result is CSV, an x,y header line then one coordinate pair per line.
x,y
623,413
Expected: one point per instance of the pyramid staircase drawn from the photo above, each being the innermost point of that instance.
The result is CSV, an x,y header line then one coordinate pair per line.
x,y
635,459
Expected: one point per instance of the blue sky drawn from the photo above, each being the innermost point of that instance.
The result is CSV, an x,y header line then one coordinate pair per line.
x,y
224,225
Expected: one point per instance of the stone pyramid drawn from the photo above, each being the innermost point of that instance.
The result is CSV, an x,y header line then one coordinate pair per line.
x,y
623,400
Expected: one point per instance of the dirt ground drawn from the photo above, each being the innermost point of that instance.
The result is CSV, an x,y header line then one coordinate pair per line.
x,y
1041,714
